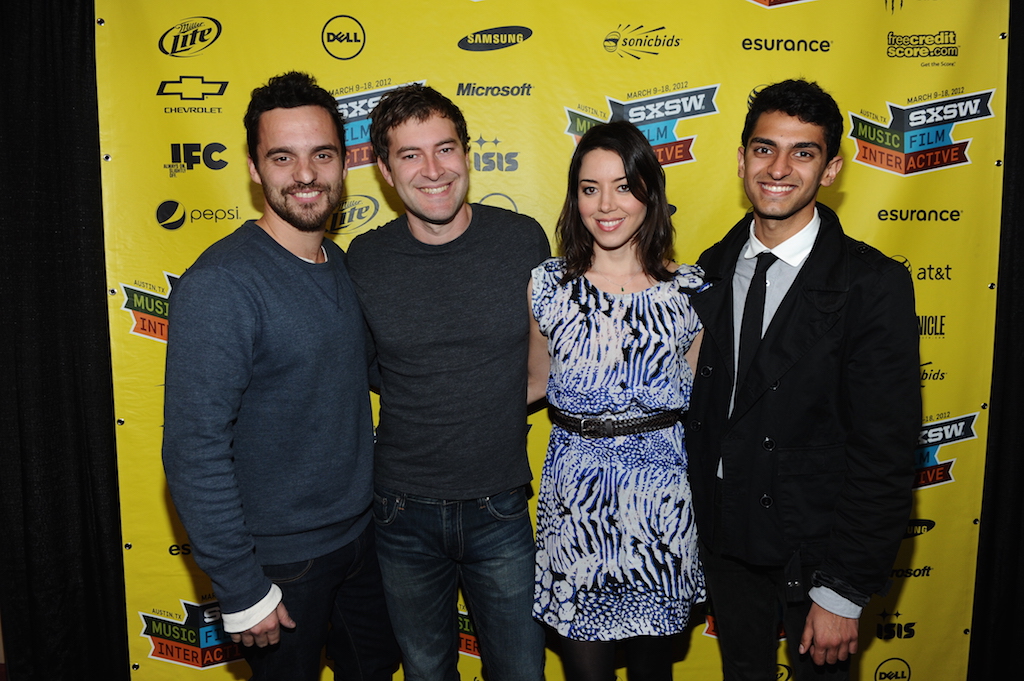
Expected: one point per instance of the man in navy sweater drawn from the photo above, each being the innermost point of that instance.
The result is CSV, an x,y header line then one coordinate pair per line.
x,y
268,440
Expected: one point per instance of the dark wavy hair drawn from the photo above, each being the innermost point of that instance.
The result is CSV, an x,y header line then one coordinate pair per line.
x,y
288,91
646,181
804,100
412,101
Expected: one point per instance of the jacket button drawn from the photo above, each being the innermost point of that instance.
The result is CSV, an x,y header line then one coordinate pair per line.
x,y
774,386
695,424
705,371
768,444
766,501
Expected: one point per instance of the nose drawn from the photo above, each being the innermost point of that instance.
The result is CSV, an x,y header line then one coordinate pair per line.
x,y
606,202
305,172
779,167
432,167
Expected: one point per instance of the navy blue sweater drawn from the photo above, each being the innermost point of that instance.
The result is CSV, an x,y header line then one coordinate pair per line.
x,y
268,441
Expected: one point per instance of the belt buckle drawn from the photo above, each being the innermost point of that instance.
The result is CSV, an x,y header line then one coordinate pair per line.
x,y
592,429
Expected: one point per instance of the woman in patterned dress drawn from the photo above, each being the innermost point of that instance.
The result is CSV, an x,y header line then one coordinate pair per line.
x,y
613,332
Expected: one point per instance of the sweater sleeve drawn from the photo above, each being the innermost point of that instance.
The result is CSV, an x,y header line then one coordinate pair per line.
x,y
211,333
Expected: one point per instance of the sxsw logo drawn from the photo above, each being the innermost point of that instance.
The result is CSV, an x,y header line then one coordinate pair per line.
x,y
148,305
933,437
919,138
198,642
192,88
657,117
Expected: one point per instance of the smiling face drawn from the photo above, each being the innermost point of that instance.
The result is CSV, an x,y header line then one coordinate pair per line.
x,y
300,166
608,208
782,167
427,166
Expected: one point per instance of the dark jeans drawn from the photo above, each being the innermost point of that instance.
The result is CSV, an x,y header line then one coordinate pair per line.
x,y
749,603
426,547
336,600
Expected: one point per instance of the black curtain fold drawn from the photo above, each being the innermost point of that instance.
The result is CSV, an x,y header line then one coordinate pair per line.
x,y
999,589
61,573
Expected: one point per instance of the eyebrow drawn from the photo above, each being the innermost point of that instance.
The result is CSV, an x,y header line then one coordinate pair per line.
x,y
617,179
288,150
772,143
412,147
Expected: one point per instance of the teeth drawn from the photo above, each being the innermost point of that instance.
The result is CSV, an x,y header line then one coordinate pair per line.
x,y
306,195
433,190
776,189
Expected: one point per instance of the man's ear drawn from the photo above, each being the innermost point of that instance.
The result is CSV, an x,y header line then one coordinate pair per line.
x,y
253,173
832,169
385,171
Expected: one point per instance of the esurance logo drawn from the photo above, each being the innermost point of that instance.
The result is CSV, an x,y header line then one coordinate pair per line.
x,y
639,41
657,117
356,109
495,38
148,306
192,88
919,138
198,642
189,37
933,437
343,37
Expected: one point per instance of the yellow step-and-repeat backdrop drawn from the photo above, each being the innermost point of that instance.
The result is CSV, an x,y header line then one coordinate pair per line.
x,y
921,82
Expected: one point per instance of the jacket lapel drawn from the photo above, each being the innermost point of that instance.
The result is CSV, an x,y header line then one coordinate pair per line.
x,y
812,306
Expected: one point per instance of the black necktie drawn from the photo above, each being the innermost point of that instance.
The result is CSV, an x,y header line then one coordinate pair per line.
x,y
753,315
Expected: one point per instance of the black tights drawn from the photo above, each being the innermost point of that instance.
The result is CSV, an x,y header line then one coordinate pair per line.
x,y
648,658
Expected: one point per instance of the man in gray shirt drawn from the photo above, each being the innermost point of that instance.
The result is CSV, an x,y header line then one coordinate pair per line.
x,y
443,291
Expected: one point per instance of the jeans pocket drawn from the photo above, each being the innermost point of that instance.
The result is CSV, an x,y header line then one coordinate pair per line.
x,y
385,506
287,572
509,505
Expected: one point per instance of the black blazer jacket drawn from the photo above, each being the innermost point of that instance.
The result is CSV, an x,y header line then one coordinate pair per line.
x,y
818,452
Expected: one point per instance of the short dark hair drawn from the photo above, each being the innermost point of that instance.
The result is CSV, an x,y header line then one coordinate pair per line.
x,y
804,100
646,181
288,91
412,101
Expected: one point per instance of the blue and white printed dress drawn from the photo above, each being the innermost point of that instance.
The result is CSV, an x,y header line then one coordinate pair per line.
x,y
616,541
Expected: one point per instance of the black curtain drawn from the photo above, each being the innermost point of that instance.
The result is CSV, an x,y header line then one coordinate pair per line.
x,y
999,589
61,576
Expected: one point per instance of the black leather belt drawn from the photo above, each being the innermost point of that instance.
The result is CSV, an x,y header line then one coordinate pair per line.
x,y
603,426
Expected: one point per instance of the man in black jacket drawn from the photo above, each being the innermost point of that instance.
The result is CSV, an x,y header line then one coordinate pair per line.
x,y
806,404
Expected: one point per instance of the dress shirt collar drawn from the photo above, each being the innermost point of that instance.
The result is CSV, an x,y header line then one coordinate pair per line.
x,y
794,250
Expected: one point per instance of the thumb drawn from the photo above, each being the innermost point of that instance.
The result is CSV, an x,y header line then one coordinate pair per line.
x,y
283,617
807,639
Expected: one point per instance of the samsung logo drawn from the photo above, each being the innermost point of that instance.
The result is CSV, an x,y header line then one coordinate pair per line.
x,y
495,38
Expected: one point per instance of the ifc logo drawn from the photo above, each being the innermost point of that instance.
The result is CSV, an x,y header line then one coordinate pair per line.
x,y
170,215
343,37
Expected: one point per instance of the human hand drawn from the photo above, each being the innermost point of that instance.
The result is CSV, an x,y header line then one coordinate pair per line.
x,y
267,631
829,638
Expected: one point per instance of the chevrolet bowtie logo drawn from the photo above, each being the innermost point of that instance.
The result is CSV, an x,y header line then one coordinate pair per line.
x,y
192,87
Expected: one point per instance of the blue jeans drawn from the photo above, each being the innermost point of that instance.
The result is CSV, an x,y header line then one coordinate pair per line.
x,y
336,600
426,548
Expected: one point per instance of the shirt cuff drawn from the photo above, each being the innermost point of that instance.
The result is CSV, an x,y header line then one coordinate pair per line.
x,y
243,620
834,603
